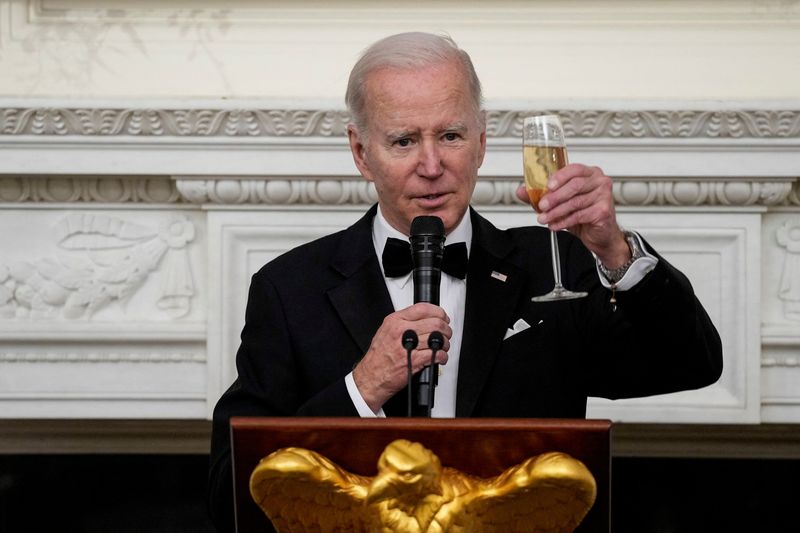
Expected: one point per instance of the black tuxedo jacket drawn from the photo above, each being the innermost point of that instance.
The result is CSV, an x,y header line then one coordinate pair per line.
x,y
313,311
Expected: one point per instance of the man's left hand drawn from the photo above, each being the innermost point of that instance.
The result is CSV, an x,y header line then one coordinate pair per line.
x,y
579,199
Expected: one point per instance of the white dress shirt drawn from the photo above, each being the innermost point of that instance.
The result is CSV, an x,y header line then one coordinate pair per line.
x,y
453,295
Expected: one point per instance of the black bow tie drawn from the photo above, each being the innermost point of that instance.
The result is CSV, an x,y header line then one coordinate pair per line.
x,y
397,259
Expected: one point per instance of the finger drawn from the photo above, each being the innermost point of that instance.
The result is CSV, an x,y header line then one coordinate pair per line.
x,y
577,179
424,333
565,174
422,318
558,204
522,194
585,206
422,358
599,216
578,193
422,310
568,185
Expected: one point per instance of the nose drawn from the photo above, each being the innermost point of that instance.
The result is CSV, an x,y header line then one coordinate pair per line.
x,y
430,160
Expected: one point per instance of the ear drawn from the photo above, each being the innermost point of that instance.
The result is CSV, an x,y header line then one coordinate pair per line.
x,y
359,151
482,152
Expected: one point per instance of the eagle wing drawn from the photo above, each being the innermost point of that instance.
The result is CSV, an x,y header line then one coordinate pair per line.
x,y
550,493
300,490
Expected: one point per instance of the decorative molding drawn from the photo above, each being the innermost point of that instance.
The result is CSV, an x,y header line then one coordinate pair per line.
x,y
173,122
146,122
356,191
110,189
112,357
660,124
780,344
501,11
113,259
278,191
785,361
31,436
759,441
82,435
794,195
701,192
629,193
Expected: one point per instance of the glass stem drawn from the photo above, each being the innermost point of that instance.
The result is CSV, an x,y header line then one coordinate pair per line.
x,y
556,259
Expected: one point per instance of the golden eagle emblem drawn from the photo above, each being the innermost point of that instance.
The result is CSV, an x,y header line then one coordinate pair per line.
x,y
300,490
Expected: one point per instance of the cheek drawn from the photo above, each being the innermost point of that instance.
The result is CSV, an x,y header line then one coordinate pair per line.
x,y
393,176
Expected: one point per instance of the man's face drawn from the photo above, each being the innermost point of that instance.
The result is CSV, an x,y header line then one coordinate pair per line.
x,y
424,143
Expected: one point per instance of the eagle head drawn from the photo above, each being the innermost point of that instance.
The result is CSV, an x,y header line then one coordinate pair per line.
x,y
406,470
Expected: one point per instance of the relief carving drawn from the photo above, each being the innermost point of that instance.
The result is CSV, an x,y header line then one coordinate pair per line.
x,y
102,259
487,192
696,193
788,236
332,123
88,189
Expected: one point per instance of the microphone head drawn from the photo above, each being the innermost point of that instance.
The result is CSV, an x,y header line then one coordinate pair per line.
x,y
435,340
410,339
427,253
427,225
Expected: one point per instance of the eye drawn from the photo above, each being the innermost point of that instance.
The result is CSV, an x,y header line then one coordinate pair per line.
x,y
403,142
451,136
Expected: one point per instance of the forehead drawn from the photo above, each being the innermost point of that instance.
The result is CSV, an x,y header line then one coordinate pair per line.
x,y
418,98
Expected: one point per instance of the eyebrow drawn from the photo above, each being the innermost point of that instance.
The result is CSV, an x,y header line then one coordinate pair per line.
x,y
456,126
393,136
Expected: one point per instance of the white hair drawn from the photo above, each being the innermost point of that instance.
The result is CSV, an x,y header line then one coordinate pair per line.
x,y
412,50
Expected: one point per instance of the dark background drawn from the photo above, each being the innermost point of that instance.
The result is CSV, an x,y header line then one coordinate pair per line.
x,y
166,493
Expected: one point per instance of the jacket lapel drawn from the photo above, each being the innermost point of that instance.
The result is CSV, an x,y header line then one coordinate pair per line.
x,y
362,300
494,287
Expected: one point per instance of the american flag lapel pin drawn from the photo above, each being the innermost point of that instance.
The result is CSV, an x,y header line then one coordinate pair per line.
x,y
499,276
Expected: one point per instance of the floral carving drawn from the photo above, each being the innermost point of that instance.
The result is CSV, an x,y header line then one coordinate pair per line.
x,y
103,259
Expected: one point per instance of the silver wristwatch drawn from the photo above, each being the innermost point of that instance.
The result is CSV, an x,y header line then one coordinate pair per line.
x,y
613,275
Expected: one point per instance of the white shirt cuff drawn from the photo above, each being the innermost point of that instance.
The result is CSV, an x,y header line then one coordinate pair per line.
x,y
358,401
637,271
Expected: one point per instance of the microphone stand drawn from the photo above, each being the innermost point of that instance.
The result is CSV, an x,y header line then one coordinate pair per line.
x,y
435,343
410,341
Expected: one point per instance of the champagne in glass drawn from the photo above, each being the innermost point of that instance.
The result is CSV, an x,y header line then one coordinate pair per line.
x,y
540,162
544,152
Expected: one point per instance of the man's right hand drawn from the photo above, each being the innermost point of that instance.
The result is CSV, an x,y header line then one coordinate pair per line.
x,y
383,370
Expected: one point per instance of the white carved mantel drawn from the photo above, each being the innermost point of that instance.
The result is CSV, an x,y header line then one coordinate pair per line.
x,y
130,233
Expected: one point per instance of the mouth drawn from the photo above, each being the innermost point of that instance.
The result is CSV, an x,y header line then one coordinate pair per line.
x,y
432,200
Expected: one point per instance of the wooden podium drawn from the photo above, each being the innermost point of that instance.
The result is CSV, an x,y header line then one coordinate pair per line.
x,y
479,446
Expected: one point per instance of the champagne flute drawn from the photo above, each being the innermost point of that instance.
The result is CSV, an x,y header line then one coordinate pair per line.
x,y
544,152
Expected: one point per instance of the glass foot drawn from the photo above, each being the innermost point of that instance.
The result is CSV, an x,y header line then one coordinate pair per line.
x,y
559,293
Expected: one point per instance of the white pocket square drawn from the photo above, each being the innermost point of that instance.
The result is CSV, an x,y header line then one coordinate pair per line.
x,y
519,326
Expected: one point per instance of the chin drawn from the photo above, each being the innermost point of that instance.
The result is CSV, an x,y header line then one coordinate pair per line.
x,y
450,220
449,217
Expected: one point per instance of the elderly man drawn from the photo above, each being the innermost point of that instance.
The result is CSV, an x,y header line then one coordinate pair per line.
x,y
324,321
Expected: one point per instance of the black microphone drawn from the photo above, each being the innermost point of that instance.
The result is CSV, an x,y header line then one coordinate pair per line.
x,y
410,341
427,250
435,343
